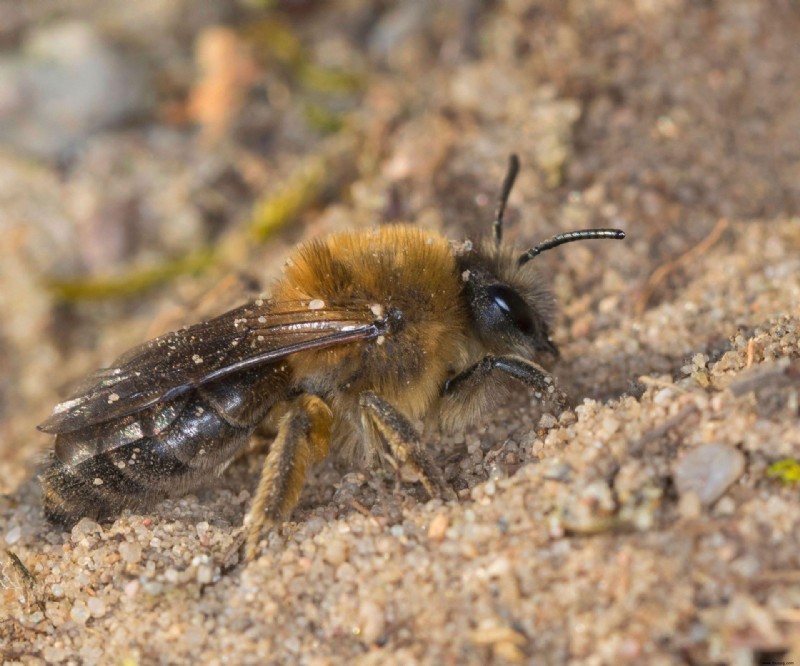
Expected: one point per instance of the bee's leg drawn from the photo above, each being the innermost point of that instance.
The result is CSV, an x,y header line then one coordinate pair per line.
x,y
404,444
303,438
483,382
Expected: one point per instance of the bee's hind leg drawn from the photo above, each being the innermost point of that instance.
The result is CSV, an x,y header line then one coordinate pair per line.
x,y
303,439
404,445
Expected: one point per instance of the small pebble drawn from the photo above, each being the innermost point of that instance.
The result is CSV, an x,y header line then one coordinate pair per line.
x,y
13,535
664,396
610,425
547,421
708,470
438,527
131,588
79,612
205,574
372,621
725,507
84,528
130,552
499,567
96,607
54,655
689,506
336,552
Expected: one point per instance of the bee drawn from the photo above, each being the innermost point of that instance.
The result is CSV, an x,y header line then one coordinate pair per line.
x,y
364,333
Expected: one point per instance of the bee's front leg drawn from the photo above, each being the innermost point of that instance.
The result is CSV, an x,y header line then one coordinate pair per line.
x,y
528,372
303,438
404,443
484,385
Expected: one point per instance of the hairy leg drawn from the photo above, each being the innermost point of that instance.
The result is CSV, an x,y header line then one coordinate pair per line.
x,y
302,439
481,386
528,372
404,445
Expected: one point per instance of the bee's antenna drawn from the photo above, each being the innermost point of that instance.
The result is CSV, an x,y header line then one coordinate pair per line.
x,y
560,239
508,183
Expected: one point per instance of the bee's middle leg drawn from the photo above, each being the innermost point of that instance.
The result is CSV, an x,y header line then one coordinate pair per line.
x,y
404,443
303,438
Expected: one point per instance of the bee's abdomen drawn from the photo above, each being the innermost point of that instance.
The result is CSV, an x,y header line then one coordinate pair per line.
x,y
97,488
169,448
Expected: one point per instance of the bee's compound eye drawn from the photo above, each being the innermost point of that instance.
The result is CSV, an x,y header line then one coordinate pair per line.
x,y
514,307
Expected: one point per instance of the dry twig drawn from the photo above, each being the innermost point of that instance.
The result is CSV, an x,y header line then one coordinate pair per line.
x,y
662,272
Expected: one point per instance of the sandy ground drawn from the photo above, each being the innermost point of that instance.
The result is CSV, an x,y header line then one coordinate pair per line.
x,y
647,523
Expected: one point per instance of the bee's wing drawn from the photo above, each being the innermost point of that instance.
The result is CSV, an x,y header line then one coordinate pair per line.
x,y
256,334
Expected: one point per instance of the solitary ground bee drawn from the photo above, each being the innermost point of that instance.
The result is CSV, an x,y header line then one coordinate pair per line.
x,y
364,332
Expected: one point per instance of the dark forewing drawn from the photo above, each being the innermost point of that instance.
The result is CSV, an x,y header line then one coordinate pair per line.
x,y
256,334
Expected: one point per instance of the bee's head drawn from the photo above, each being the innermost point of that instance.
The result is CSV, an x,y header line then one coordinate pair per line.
x,y
511,308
